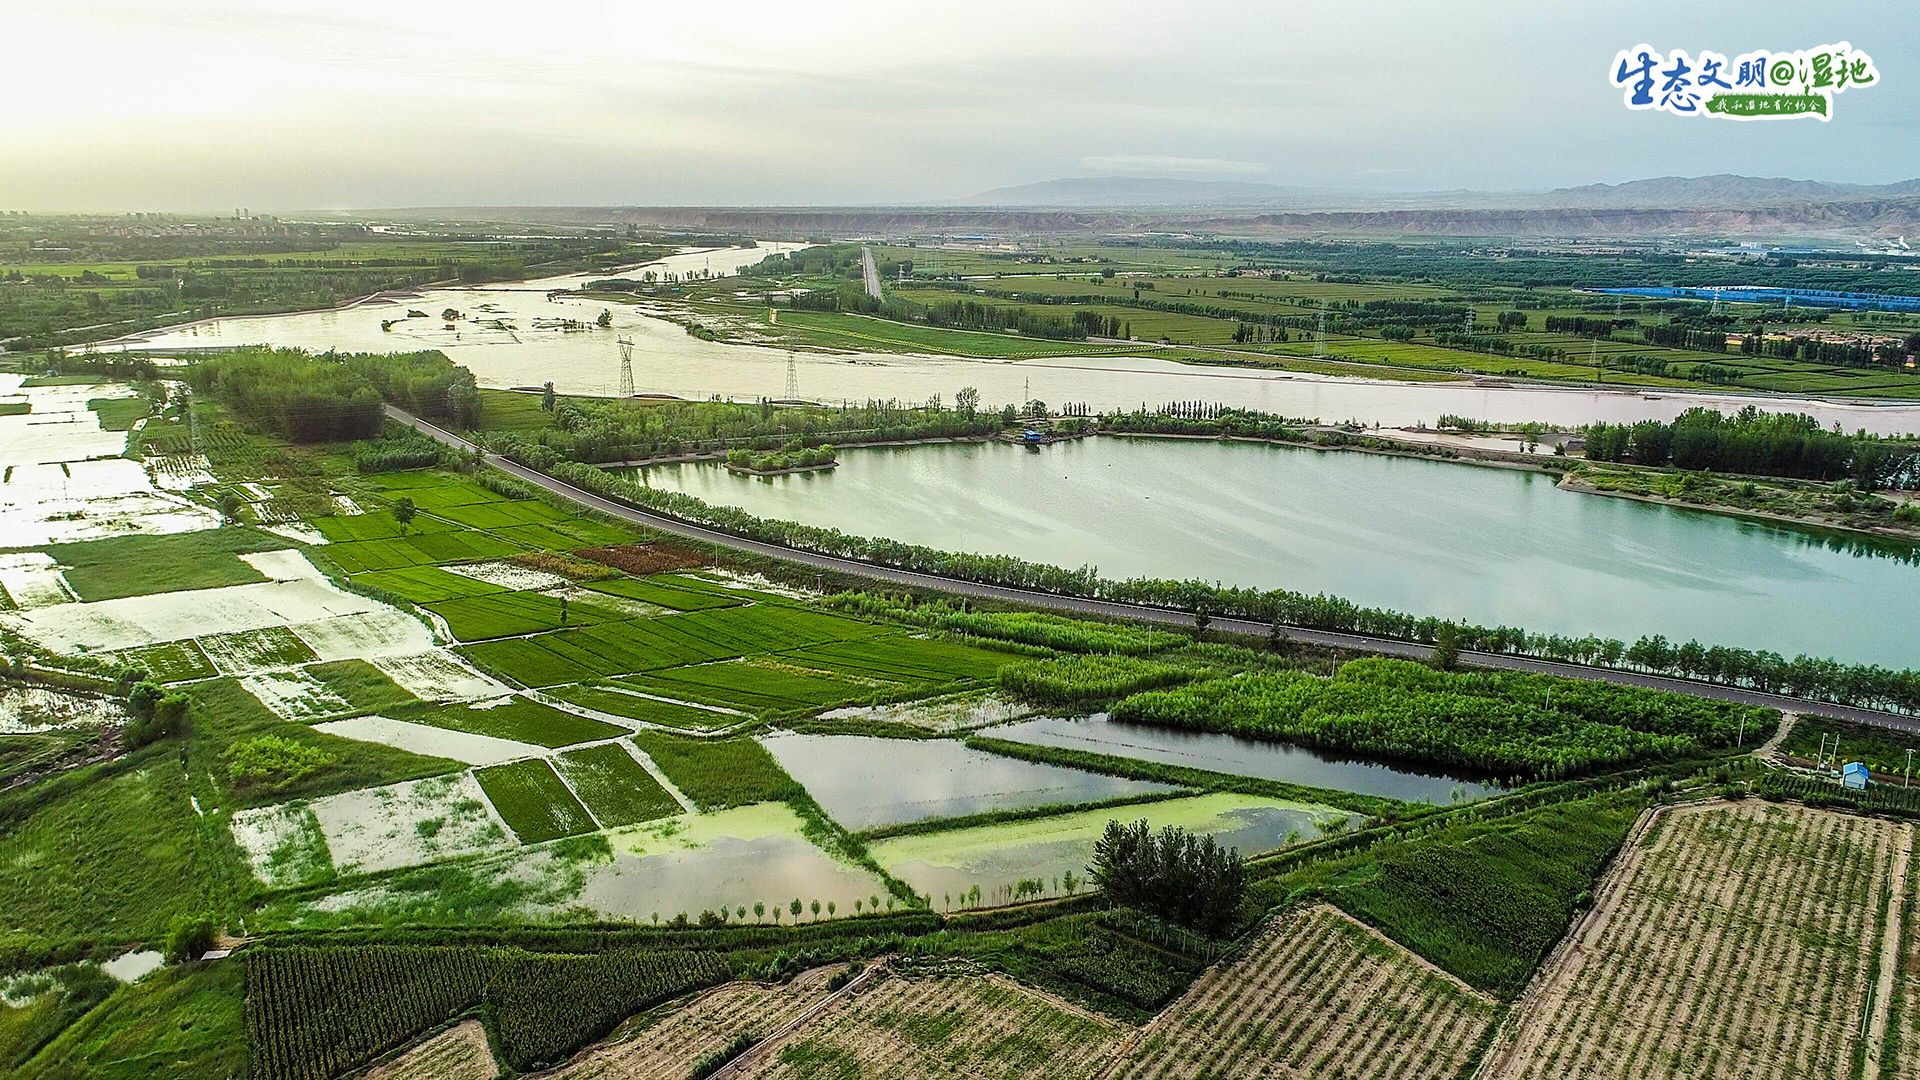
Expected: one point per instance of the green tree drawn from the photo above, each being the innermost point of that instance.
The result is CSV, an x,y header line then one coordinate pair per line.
x,y
1446,648
547,397
230,505
403,512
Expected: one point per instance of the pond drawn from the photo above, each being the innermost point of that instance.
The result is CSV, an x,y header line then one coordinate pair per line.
x,y
1232,754
1043,852
864,782
1491,546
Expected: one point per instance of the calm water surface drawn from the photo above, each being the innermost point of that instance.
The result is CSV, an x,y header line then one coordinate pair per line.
x,y
1239,757
1488,545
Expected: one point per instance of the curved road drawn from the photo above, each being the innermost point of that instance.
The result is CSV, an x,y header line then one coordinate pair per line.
x,y
1146,613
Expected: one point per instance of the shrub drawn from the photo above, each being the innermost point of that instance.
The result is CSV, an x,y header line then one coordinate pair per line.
x,y
275,758
189,939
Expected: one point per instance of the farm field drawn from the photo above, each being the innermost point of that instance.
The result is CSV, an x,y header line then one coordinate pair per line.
x,y
1732,940
670,1046
910,1026
1317,994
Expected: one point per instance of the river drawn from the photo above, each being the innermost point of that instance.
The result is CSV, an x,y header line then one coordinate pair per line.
x,y
668,360
1492,546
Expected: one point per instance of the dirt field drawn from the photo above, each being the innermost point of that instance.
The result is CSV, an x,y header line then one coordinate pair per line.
x,y
1317,996
669,1048
458,1053
1905,1008
1730,940
962,1026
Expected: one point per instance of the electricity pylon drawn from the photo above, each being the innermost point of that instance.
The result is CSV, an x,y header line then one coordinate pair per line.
x,y
626,368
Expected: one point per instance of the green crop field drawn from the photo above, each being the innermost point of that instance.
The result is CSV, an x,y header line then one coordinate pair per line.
x,y
454,545
375,525
138,565
533,801
667,596
272,646
644,709
173,661
614,786
500,515
507,614
426,584
759,686
903,658
521,720
716,773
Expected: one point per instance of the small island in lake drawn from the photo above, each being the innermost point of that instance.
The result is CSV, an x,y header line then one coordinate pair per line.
x,y
774,462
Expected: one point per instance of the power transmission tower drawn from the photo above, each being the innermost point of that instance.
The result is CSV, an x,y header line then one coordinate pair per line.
x,y
626,368
793,379
1320,333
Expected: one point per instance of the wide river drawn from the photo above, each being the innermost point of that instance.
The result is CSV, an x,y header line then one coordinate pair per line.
x,y
668,360
1492,546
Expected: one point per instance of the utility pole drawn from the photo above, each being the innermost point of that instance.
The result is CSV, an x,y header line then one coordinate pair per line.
x,y
1909,782
1320,333
793,379
626,368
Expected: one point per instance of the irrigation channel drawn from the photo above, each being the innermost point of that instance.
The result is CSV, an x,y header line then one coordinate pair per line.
x,y
668,360
1142,612
1491,546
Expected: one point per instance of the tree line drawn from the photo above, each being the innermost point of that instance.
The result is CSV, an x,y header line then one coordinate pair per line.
x,y
335,397
1758,443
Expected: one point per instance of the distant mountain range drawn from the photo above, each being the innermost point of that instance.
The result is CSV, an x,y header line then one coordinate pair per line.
x,y
1722,191
1727,206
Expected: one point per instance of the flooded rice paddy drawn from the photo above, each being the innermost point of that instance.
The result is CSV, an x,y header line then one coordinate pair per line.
x,y
864,782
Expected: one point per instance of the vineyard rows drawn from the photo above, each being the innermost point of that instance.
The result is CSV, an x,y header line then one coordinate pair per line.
x,y
1732,940
944,1026
1318,995
670,1047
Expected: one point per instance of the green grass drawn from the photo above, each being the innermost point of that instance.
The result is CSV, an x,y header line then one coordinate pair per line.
x,y
103,853
533,801
118,566
172,661
271,646
1884,750
180,1022
1483,899
616,787
521,720
121,413
225,714
717,773
643,709
667,596
453,545
510,614
503,515
365,687
904,658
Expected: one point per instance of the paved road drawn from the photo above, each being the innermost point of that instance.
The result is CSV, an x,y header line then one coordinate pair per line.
x,y
1145,613
870,272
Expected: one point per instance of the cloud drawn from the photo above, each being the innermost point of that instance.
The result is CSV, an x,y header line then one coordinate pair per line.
x,y
1159,163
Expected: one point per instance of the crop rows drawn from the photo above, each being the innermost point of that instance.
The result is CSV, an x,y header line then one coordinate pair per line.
x,y
1317,996
752,686
614,786
426,584
1734,941
669,1048
504,614
533,801
944,1026
716,773
459,545
576,655
521,720
667,596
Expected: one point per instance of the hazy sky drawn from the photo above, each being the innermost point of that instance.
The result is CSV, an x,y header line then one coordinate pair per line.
x,y
291,104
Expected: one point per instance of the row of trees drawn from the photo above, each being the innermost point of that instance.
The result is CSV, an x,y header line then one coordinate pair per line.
x,y
1757,443
599,431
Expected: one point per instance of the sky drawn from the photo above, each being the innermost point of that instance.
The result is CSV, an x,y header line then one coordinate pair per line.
x,y
285,105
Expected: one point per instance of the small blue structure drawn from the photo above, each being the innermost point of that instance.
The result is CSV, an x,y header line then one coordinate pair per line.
x,y
1853,775
1032,435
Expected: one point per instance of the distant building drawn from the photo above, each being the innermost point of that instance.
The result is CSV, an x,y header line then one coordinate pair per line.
x,y
1853,775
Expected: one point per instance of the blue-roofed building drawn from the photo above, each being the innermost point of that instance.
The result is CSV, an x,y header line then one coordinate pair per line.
x,y
1853,775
